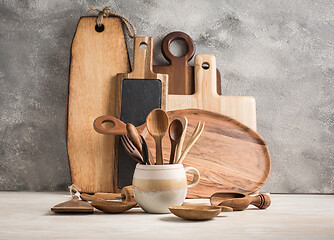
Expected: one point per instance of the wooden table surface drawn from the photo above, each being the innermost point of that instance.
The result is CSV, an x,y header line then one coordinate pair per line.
x,y
27,215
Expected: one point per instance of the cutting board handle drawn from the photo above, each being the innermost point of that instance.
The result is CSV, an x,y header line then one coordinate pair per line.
x,y
143,57
168,39
205,75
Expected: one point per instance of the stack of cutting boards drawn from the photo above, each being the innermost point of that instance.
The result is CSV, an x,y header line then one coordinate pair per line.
x,y
224,168
96,58
205,97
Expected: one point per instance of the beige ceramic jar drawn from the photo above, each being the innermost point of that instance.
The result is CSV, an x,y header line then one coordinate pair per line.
x,y
157,187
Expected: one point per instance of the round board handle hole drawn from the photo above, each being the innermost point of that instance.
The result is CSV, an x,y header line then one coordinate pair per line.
x,y
205,66
178,47
143,46
99,28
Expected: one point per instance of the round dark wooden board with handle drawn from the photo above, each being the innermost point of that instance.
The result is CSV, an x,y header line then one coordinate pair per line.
x,y
229,156
181,79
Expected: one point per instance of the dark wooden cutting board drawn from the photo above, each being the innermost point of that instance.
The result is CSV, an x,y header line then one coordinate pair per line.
x,y
180,75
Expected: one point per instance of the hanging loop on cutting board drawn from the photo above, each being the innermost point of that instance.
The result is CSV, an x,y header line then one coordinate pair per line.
x,y
143,57
205,72
105,12
166,42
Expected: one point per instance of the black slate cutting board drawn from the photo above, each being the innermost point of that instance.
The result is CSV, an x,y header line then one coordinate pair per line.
x,y
138,93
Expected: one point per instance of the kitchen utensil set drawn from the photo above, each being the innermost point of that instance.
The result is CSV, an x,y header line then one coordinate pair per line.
x,y
157,124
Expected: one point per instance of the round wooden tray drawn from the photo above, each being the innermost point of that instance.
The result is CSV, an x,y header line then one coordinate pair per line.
x,y
229,156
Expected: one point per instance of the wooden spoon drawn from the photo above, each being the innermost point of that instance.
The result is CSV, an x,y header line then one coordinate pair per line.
x,y
134,136
239,201
147,155
112,125
195,212
157,125
184,121
175,134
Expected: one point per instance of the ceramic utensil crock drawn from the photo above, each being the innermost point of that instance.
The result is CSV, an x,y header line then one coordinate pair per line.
x,y
157,187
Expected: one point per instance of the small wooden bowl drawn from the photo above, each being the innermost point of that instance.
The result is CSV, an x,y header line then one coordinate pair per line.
x,y
113,206
195,212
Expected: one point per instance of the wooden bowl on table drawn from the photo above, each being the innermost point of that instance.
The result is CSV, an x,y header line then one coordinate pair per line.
x,y
195,212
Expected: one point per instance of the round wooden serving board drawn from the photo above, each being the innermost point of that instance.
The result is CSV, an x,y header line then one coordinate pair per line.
x,y
229,156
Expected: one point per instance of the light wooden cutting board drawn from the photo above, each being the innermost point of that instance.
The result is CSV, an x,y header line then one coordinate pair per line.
x,y
96,58
241,108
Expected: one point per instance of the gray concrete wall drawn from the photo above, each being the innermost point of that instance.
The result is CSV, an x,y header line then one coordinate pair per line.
x,y
281,52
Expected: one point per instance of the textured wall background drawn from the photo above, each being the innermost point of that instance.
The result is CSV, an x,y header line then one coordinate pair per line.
x,y
281,52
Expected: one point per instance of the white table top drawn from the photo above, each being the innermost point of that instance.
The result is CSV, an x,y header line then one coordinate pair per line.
x,y
27,215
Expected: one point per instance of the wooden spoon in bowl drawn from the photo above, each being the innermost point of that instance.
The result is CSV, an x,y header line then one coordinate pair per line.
x,y
175,134
239,201
157,125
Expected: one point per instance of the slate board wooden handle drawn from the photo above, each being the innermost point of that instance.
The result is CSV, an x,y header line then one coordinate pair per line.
x,y
117,126
143,58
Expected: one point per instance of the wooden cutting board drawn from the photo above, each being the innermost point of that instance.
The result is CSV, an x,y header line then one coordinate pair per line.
x,y
229,156
137,94
180,74
96,58
205,97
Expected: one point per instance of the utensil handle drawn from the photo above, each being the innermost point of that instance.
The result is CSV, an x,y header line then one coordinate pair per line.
x,y
261,201
159,157
196,134
107,196
117,126
134,136
196,176
172,154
